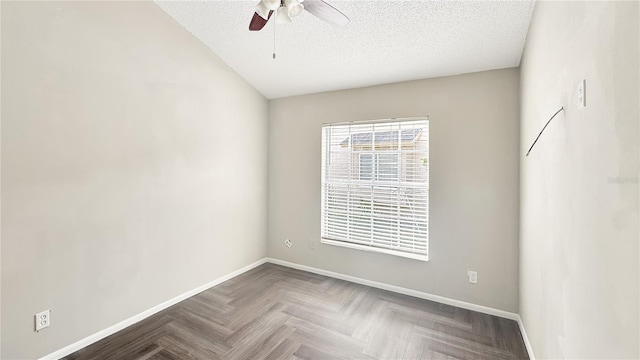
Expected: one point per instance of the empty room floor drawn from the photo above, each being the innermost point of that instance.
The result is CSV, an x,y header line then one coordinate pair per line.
x,y
274,312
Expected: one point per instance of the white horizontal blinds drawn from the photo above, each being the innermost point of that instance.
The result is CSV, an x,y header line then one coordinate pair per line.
x,y
375,185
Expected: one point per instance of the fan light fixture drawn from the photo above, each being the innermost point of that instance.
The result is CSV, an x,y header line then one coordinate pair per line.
x,y
287,9
293,8
282,17
271,4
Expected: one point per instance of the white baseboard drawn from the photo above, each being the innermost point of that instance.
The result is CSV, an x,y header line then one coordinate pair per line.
x,y
415,293
145,314
418,294
400,290
527,343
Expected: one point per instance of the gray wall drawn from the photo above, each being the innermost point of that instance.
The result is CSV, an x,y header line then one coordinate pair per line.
x,y
473,191
579,187
133,167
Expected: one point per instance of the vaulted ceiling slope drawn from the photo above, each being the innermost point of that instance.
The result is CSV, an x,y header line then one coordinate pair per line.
x,y
385,42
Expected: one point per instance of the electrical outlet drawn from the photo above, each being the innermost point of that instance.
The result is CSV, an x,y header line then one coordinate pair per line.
x,y
288,243
312,244
473,276
43,319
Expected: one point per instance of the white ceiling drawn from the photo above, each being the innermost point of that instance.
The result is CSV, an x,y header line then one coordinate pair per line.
x,y
386,42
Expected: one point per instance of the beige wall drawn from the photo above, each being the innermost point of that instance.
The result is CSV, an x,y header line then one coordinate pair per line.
x,y
473,191
579,187
133,167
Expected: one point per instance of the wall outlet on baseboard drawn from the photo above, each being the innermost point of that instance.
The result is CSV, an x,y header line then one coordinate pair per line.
x,y
42,319
473,276
288,243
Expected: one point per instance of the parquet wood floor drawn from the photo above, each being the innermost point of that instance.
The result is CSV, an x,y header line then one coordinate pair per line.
x,y
274,312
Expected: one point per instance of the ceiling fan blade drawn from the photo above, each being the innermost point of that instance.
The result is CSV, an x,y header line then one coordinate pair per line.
x,y
258,22
326,12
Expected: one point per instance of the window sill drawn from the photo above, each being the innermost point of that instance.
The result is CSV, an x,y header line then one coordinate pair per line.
x,y
420,257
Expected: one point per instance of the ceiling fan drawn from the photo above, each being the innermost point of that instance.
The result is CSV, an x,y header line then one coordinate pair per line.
x,y
288,9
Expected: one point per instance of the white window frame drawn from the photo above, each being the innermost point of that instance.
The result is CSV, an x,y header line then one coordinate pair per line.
x,y
380,241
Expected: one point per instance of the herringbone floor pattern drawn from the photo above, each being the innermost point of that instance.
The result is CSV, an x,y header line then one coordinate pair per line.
x,y
274,312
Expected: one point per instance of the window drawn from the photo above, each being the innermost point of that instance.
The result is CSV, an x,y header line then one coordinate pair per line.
x,y
375,186
385,166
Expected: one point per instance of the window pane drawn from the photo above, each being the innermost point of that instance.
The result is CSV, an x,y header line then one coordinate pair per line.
x,y
366,166
387,167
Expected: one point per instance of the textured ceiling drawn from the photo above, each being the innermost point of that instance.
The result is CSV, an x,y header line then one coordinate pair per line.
x,y
386,41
